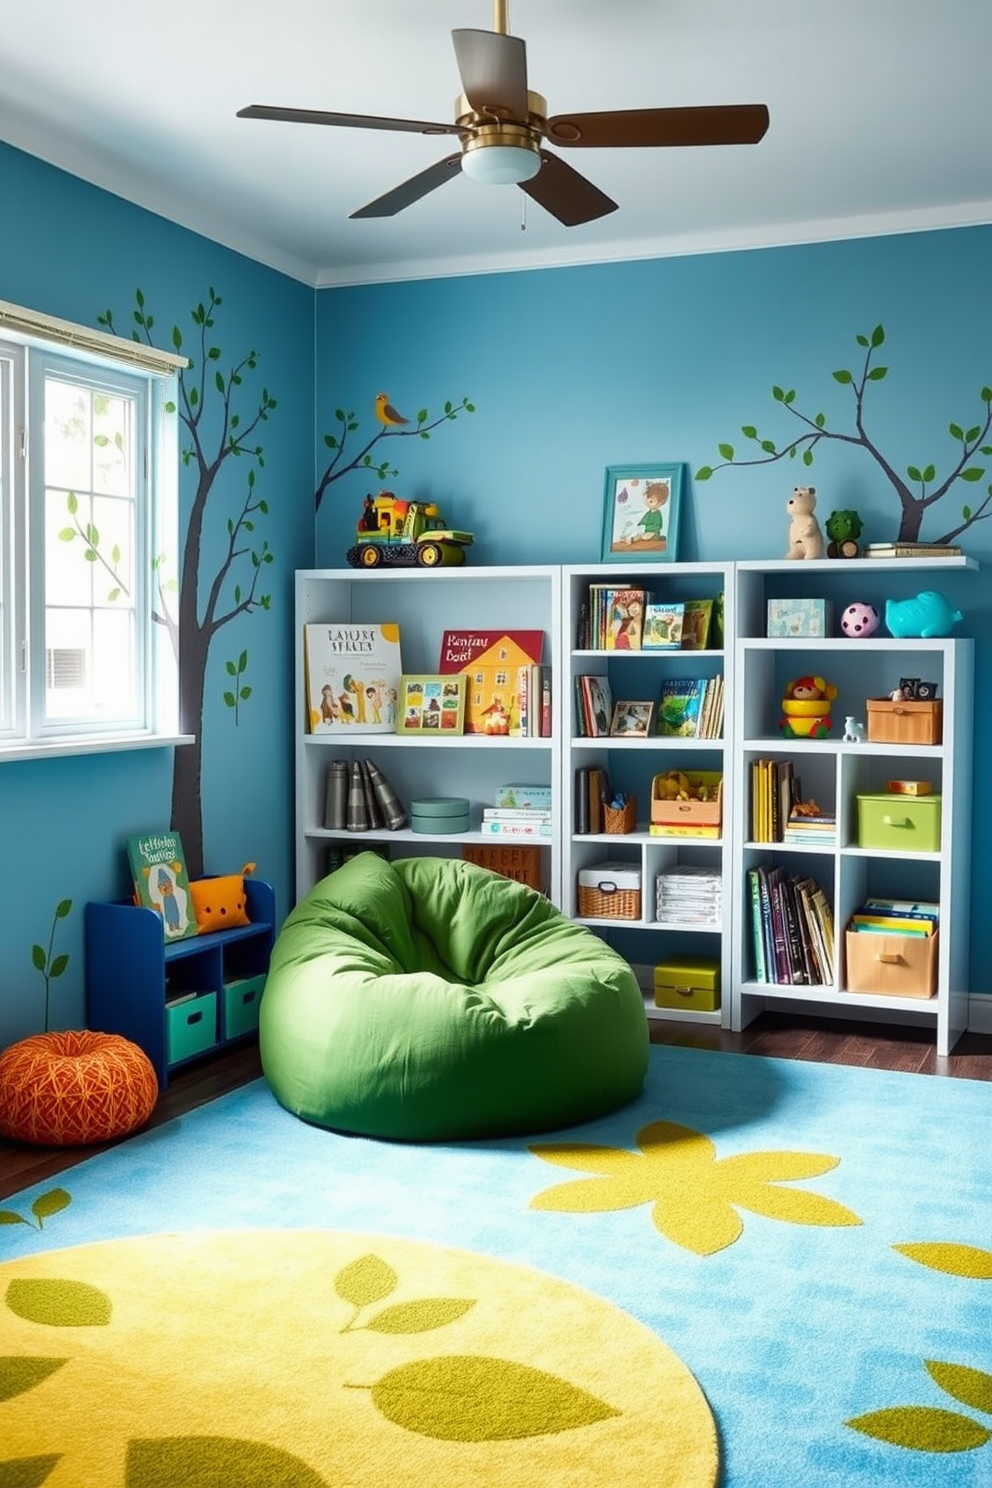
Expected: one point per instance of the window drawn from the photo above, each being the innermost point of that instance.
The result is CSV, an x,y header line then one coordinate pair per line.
x,y
88,537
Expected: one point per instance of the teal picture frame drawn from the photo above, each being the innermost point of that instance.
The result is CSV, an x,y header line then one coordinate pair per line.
x,y
641,510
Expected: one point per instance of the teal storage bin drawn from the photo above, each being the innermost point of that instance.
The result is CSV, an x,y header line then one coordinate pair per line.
x,y
191,1026
899,823
439,814
241,1003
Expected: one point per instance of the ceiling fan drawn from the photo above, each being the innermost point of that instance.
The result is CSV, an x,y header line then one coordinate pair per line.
x,y
501,126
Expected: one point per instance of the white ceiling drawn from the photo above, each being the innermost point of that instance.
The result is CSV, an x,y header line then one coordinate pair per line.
x,y
881,121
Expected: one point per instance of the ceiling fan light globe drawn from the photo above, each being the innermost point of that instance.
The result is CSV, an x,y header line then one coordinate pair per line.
x,y
501,165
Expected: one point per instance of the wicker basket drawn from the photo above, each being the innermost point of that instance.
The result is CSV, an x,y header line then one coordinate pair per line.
x,y
622,819
619,904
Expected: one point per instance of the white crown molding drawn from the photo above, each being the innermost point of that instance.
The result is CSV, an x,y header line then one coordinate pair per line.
x,y
65,155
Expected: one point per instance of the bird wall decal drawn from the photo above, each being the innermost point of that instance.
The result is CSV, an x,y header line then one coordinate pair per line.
x,y
386,413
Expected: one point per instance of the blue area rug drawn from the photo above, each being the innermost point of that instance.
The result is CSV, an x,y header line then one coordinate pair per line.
x,y
812,1244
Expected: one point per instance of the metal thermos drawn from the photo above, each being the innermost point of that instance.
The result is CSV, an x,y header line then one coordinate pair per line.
x,y
389,803
336,796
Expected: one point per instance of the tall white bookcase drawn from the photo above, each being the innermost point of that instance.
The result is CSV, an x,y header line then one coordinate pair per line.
x,y
425,603
633,763
835,773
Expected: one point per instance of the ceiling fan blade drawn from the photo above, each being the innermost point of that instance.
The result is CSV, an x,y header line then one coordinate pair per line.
x,y
721,124
568,196
493,70
412,190
348,121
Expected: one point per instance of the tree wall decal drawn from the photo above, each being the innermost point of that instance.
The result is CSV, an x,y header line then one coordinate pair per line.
x,y
918,489
208,602
339,467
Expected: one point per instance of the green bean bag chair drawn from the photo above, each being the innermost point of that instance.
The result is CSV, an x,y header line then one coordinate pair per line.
x,y
430,1000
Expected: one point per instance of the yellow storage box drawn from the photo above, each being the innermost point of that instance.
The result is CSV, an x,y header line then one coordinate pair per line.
x,y
691,982
899,823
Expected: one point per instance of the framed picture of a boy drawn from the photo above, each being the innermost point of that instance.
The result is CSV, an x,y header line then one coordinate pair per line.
x,y
641,513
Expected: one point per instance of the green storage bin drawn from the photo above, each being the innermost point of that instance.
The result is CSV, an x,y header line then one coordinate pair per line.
x,y
899,823
190,1026
241,1003
691,982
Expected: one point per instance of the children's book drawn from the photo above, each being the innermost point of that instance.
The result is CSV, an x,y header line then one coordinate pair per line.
x,y
696,619
631,720
678,707
663,626
625,619
352,674
491,661
431,705
161,883
598,705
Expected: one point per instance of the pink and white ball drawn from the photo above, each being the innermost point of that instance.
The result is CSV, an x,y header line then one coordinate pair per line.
x,y
860,621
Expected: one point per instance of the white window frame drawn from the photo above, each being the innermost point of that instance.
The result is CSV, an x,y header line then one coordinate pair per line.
x,y
33,347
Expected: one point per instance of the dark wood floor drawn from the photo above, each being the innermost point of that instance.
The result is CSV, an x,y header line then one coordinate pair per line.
x,y
871,1046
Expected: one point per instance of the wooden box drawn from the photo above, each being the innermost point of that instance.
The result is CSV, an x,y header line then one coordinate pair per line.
x,y
522,864
907,722
892,965
688,818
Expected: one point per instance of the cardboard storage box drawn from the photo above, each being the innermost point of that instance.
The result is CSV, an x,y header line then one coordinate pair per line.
x,y
907,722
892,965
800,617
610,891
688,982
190,1025
688,818
908,824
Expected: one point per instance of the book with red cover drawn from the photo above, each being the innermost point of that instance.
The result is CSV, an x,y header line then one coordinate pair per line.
x,y
491,660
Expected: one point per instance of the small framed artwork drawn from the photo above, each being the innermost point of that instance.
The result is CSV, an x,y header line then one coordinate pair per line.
x,y
641,513
431,704
631,720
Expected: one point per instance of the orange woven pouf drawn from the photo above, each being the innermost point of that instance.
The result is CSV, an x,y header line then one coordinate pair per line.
x,y
67,1089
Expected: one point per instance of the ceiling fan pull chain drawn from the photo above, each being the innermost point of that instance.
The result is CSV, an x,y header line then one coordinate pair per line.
x,y
523,211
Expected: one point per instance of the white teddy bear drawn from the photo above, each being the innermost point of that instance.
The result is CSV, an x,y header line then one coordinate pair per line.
x,y
805,537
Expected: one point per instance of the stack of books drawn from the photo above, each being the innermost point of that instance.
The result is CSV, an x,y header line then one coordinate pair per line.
x,y
792,929
911,550
810,828
895,917
689,896
516,821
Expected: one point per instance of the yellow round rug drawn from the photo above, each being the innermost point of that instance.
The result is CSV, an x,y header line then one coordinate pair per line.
x,y
315,1359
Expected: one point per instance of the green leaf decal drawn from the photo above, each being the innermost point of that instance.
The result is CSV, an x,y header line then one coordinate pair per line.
x,y
727,451
877,336
58,1303
955,1260
422,1316
972,1387
38,958
923,1428
704,472
52,1202
206,1461
474,1398
26,1472
7,1216
18,1375
365,1281
973,473
843,376
877,373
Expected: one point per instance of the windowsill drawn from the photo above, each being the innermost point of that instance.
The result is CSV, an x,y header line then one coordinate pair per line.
x,y
91,744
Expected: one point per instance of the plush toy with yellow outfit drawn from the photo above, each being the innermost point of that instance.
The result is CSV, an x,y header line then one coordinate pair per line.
x,y
806,708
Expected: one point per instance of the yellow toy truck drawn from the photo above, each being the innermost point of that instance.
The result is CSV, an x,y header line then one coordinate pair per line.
x,y
404,534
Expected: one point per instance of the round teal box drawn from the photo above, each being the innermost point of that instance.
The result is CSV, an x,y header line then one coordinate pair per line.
x,y
439,814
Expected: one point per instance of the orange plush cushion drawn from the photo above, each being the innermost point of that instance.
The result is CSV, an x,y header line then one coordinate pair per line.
x,y
221,903
67,1089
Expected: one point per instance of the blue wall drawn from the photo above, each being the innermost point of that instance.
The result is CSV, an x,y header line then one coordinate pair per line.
x,y
570,370
70,250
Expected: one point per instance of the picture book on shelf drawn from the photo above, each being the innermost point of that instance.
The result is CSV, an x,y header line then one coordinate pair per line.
x,y
663,626
594,706
161,882
625,620
491,661
431,705
696,620
678,706
352,674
